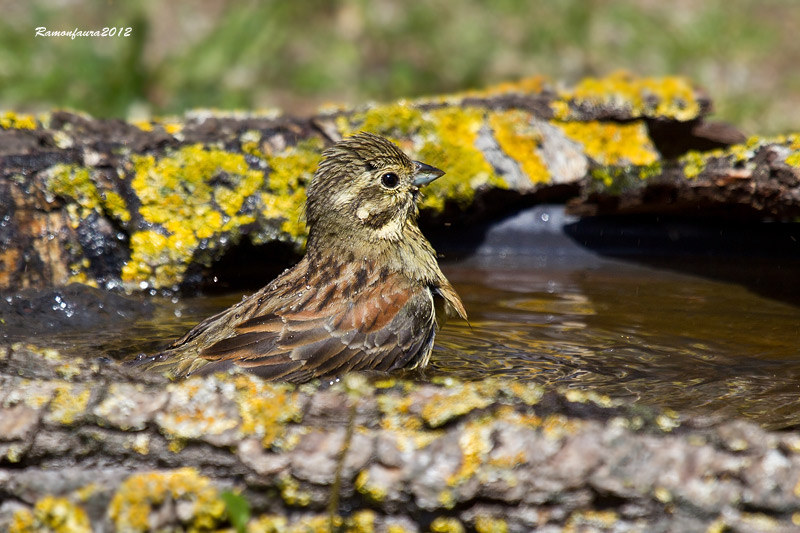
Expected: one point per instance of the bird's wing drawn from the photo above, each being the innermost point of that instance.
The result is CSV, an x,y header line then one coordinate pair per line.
x,y
388,323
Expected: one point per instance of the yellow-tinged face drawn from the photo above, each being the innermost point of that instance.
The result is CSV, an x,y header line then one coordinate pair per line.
x,y
366,189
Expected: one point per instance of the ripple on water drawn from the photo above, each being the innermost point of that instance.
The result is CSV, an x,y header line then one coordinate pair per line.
x,y
653,336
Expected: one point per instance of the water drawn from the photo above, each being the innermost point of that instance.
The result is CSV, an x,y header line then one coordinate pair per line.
x,y
648,335
544,307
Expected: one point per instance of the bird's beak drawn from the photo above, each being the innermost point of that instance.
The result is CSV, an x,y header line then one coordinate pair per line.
x,y
425,174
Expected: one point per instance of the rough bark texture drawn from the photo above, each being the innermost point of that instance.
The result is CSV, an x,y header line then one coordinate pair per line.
x,y
757,180
87,445
153,205
96,447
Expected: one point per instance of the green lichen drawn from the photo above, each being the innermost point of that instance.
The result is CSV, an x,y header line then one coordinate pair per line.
x,y
521,141
615,180
58,515
142,494
672,97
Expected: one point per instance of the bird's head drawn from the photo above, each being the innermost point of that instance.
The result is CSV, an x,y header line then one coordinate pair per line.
x,y
365,188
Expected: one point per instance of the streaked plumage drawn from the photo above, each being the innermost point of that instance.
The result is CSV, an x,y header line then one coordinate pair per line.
x,y
368,294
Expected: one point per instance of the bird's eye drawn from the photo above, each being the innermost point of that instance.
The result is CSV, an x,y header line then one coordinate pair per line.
x,y
390,180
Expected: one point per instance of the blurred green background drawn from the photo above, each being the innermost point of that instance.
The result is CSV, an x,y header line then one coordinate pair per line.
x,y
295,55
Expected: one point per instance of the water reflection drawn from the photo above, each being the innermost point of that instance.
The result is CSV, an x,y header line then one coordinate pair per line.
x,y
545,309
653,336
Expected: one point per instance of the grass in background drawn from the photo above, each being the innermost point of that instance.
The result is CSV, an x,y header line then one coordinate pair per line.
x,y
296,55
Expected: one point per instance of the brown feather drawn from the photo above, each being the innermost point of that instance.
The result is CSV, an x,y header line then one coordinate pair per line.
x,y
369,293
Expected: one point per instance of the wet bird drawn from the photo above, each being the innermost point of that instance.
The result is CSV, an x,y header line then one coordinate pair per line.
x,y
368,294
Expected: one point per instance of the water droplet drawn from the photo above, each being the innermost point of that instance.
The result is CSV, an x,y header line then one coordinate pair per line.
x,y
545,217
143,285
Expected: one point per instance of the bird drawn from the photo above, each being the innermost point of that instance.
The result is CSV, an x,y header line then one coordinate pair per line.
x,y
368,295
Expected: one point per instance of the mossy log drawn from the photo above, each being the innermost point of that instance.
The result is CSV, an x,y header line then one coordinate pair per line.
x,y
89,446
153,204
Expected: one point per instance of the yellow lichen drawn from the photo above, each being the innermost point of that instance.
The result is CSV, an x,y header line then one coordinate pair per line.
x,y
362,521
475,445
291,492
85,493
793,159
444,138
68,403
693,163
559,426
528,393
266,408
58,515
11,120
452,148
447,524
76,183
584,396
178,192
141,494
663,494
601,519
268,524
144,125
194,413
400,120
529,85
521,141
15,452
372,491
173,127
291,172
456,401
140,444
613,143
490,524
671,97
668,420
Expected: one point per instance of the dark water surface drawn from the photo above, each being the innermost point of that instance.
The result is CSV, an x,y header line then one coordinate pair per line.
x,y
544,307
